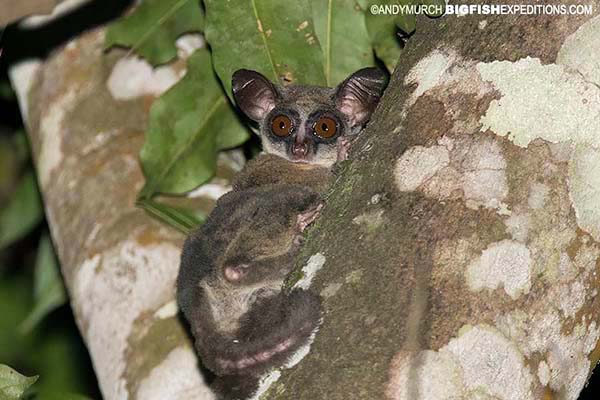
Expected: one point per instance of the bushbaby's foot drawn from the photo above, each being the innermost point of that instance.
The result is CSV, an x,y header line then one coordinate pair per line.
x,y
308,217
344,145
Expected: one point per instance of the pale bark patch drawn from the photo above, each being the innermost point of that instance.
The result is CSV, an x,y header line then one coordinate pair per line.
x,y
112,289
133,77
176,378
550,102
544,373
480,363
517,224
428,73
504,264
426,375
188,43
584,185
418,164
22,76
580,50
490,362
538,194
314,264
168,310
566,355
468,167
51,134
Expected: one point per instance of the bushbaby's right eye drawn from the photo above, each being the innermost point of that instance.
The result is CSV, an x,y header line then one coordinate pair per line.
x,y
281,126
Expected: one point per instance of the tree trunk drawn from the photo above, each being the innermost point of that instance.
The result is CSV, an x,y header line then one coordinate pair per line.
x,y
459,248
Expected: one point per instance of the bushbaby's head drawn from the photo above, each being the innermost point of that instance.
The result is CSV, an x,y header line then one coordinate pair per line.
x,y
306,123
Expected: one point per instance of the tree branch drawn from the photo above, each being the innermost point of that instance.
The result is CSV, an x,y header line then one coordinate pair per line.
x,y
119,264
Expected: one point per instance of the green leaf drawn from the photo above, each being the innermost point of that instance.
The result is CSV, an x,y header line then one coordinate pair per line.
x,y
151,30
13,384
406,22
23,212
188,125
276,38
440,3
341,29
49,292
383,30
178,218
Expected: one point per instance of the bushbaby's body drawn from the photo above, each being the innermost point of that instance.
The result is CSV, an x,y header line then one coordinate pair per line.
x,y
232,271
233,267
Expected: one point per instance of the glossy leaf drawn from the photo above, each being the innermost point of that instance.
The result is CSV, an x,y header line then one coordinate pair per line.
x,y
49,292
23,212
340,27
151,30
188,125
276,38
13,384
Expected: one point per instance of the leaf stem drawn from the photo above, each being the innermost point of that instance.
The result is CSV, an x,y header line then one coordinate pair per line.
x,y
178,219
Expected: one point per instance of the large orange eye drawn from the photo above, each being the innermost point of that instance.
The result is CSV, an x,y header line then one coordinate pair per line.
x,y
325,127
281,126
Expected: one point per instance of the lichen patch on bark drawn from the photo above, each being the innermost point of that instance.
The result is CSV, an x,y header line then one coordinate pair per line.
x,y
314,264
580,50
584,184
418,164
428,73
565,355
468,167
550,102
480,363
506,264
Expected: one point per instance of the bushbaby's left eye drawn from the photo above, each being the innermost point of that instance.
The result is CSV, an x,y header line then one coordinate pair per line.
x,y
325,127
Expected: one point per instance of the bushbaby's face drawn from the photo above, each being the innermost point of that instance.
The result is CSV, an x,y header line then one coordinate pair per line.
x,y
306,124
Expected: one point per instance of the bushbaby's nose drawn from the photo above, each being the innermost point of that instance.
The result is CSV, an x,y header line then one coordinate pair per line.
x,y
300,149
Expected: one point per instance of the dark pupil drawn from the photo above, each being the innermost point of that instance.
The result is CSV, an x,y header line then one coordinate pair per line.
x,y
282,125
324,127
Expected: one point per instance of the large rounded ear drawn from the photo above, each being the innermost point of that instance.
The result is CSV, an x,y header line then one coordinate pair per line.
x,y
254,94
359,94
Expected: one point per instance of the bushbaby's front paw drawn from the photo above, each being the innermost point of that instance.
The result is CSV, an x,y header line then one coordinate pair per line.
x,y
308,217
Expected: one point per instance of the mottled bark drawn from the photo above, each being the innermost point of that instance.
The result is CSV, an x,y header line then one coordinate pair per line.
x,y
460,247
458,252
